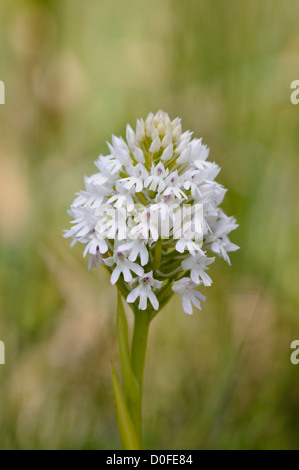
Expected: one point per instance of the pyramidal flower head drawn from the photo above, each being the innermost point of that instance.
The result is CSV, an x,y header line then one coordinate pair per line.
x,y
152,209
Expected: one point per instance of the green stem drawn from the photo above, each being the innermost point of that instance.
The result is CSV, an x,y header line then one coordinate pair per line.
x,y
158,253
139,344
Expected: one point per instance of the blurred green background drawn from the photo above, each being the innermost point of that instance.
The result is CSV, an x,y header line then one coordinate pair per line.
x,y
76,72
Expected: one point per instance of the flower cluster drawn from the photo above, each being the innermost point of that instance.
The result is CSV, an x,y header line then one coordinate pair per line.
x,y
147,179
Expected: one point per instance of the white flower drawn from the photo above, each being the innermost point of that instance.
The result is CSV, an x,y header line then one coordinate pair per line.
x,y
95,245
96,190
190,245
131,137
136,181
137,248
95,260
156,180
185,288
174,183
146,180
124,196
110,224
167,153
124,266
197,265
218,240
222,246
147,225
144,291
84,222
199,152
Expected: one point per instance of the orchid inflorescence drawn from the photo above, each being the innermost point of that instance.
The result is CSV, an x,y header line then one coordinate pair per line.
x,y
158,169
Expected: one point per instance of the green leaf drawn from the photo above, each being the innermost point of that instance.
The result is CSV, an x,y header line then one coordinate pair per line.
x,y
126,428
131,385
